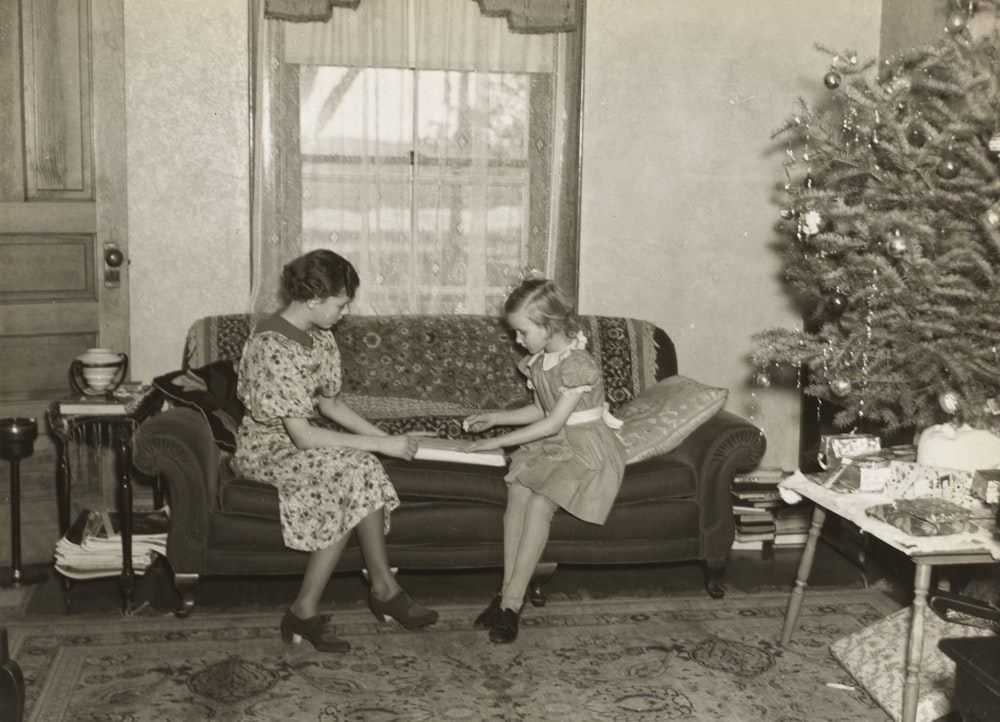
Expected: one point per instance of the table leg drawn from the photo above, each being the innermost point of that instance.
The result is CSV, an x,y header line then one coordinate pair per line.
x,y
915,645
62,485
124,495
802,576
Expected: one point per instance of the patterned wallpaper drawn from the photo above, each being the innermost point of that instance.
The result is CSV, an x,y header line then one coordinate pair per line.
x,y
188,199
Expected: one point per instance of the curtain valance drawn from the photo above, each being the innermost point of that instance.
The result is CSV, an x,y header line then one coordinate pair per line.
x,y
523,16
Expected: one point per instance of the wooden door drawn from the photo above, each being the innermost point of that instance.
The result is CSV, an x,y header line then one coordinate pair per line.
x,y
62,207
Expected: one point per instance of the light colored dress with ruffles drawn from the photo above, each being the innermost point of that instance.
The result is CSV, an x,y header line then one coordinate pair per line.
x,y
580,468
323,493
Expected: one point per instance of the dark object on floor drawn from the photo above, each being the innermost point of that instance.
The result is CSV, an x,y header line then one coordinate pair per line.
x,y
11,684
977,676
674,506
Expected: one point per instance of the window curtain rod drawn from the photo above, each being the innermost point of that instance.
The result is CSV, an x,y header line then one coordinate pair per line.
x,y
523,16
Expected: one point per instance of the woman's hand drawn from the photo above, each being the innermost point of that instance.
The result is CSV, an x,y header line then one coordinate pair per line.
x,y
402,447
477,423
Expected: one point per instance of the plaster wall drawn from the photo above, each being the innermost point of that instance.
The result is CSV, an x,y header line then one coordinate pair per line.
x,y
186,71
680,173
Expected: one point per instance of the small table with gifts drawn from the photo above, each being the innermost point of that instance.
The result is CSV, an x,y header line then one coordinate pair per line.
x,y
976,545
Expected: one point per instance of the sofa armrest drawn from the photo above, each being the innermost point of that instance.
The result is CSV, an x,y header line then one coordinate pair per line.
x,y
719,448
177,445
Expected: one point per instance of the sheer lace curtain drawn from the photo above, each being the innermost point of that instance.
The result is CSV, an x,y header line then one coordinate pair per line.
x,y
422,140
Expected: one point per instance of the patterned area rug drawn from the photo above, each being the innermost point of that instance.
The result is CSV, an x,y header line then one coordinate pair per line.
x,y
645,659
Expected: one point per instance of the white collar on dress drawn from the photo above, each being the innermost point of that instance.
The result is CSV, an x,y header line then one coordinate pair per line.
x,y
550,359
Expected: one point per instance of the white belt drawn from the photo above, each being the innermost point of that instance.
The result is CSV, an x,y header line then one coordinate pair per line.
x,y
597,413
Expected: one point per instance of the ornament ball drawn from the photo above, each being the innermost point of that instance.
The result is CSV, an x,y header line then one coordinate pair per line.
x,y
948,167
787,214
956,22
836,304
762,379
832,80
895,246
840,387
916,137
949,401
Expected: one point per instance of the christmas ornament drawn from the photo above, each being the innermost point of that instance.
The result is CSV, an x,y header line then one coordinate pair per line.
x,y
949,401
836,304
916,137
956,22
787,214
810,223
994,144
809,181
832,80
948,167
762,379
840,387
896,246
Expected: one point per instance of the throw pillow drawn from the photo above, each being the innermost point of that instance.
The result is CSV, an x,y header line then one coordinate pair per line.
x,y
664,414
211,390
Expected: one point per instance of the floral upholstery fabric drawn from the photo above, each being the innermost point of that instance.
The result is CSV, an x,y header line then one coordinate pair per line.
x,y
424,372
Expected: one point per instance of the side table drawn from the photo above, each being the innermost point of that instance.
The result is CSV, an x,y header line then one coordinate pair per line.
x,y
978,547
115,429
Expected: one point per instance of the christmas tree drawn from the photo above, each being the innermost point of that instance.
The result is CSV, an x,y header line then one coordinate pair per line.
x,y
891,228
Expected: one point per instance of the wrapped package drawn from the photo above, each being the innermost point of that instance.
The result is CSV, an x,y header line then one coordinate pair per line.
x,y
865,475
833,448
925,516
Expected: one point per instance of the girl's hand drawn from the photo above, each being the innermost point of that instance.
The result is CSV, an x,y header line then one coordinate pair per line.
x,y
402,447
482,445
478,423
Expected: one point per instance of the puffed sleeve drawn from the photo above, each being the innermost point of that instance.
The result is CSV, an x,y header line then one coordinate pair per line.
x,y
273,383
579,373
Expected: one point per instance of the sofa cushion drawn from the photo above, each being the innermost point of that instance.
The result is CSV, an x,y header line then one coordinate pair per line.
x,y
665,414
210,389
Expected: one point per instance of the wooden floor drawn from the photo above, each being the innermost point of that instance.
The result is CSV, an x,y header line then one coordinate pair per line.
x,y
748,572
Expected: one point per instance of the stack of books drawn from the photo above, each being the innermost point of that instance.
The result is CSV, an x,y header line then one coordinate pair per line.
x,y
791,524
92,547
755,499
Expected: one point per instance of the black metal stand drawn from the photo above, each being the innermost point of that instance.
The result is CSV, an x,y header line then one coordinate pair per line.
x,y
17,438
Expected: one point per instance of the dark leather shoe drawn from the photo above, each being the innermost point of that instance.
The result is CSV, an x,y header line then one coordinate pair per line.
x,y
505,629
403,609
489,616
294,630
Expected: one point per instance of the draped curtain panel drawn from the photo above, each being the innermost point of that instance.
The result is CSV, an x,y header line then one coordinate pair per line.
x,y
422,140
523,16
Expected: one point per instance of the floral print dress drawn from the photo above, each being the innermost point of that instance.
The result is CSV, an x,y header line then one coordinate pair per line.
x,y
323,493
580,467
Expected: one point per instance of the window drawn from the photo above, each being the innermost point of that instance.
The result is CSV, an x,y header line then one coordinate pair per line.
x,y
428,145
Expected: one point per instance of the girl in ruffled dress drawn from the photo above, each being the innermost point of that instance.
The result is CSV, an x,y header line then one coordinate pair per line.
x,y
569,457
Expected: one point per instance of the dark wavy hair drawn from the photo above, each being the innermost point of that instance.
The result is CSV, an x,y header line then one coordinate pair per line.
x,y
319,274
545,304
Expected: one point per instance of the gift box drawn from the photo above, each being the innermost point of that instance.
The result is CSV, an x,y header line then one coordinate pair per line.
x,y
911,480
833,448
986,486
927,516
866,474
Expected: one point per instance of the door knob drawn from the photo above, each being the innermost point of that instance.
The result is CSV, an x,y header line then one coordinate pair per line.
x,y
113,260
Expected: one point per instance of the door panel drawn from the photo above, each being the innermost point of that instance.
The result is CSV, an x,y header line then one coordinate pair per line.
x,y
62,203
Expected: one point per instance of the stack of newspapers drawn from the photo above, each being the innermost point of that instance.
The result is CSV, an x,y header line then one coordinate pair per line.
x,y
93,545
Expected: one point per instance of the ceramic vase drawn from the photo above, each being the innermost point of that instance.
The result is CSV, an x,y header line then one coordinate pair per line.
x,y
98,371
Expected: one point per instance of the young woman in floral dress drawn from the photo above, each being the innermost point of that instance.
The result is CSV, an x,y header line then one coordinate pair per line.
x,y
329,482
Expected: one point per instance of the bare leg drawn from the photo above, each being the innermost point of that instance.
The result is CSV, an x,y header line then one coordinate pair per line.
x,y
518,497
371,535
318,570
534,535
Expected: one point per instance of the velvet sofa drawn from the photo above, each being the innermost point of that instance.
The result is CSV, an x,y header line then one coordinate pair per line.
x,y
409,373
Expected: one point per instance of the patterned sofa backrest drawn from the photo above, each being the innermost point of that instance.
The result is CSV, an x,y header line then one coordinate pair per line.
x,y
445,364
